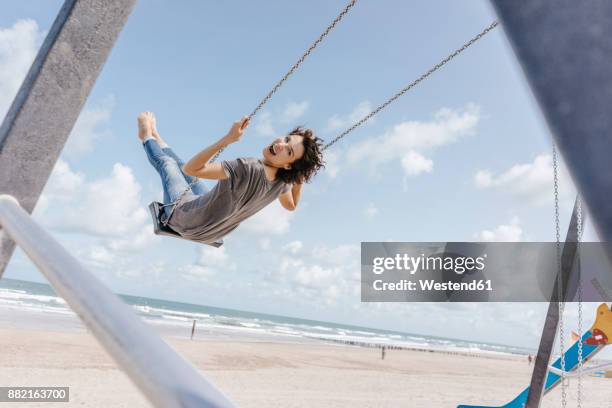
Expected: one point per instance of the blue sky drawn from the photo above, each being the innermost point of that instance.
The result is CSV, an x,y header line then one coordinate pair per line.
x,y
463,156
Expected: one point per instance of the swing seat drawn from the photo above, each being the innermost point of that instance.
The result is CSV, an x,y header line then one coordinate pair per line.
x,y
159,228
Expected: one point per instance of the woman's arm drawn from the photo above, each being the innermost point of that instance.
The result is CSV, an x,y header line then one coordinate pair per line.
x,y
289,200
199,166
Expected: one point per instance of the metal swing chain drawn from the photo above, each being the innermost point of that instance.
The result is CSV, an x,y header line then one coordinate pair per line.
x,y
297,64
561,302
579,228
276,87
413,84
580,359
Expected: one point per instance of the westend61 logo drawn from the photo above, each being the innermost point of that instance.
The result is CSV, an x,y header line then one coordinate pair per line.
x,y
476,271
412,264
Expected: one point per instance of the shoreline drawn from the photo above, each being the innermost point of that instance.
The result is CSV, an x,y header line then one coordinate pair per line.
x,y
61,320
38,303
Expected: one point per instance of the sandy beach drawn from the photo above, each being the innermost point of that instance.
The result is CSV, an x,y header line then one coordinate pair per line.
x,y
279,374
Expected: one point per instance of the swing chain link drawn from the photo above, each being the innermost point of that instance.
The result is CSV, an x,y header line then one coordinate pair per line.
x,y
413,83
580,356
297,64
561,302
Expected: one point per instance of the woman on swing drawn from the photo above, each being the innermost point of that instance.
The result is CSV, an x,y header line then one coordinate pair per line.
x,y
245,186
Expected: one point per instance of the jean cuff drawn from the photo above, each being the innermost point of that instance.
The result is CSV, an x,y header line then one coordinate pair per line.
x,y
148,138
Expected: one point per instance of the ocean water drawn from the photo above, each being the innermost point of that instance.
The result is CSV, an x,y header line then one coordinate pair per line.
x,y
40,299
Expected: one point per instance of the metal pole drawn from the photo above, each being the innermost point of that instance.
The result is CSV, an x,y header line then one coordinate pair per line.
x,y
50,99
166,379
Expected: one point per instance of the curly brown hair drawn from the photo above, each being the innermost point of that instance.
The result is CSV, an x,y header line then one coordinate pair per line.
x,y
304,168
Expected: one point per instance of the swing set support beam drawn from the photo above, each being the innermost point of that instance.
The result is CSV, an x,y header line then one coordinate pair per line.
x,y
565,53
51,97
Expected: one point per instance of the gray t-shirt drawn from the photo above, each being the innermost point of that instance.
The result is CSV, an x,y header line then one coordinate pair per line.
x,y
245,191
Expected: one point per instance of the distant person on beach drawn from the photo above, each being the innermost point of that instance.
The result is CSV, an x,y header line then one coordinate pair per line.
x,y
529,359
383,353
245,185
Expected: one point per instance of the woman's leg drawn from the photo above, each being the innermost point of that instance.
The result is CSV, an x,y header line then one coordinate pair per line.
x,y
198,188
173,182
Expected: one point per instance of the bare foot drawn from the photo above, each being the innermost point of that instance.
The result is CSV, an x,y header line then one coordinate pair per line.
x,y
156,134
146,122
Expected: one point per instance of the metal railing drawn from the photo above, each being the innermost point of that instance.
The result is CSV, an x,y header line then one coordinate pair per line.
x,y
164,377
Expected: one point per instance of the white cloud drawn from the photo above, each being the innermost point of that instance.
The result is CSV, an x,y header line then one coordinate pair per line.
x,y
414,164
266,122
322,274
293,247
337,122
89,128
98,256
294,111
214,257
371,211
60,188
63,182
528,181
511,232
109,208
483,179
406,141
313,276
529,176
331,164
312,280
18,47
265,243
264,125
343,254
209,262
197,273
137,241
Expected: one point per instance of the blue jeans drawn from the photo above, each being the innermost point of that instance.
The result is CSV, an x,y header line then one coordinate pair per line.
x,y
170,169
